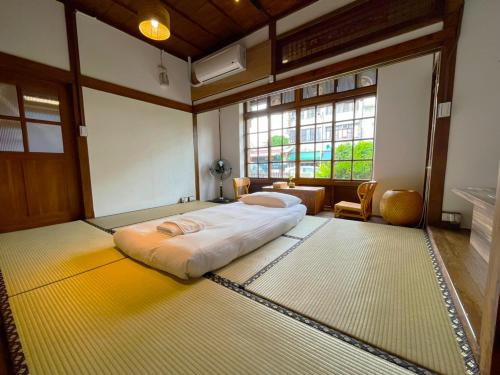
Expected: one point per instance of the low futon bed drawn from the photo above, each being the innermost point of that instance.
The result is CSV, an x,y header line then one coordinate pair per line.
x,y
230,231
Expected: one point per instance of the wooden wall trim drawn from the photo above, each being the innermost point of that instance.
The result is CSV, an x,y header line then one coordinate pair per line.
x,y
402,51
196,161
78,111
441,126
113,88
41,71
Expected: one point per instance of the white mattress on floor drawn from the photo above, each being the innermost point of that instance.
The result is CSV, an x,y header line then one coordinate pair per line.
x,y
232,230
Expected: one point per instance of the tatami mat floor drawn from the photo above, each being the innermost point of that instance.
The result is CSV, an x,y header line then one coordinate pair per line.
x,y
376,283
32,258
104,317
124,318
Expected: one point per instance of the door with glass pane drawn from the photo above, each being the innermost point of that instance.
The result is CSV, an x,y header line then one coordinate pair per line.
x,y
39,180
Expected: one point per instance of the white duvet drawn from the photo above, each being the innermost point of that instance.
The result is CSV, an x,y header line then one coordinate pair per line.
x,y
231,230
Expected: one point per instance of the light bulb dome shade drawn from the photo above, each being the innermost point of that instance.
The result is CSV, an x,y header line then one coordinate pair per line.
x,y
154,21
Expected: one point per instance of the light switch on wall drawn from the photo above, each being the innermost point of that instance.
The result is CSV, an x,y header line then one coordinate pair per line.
x,y
83,131
444,110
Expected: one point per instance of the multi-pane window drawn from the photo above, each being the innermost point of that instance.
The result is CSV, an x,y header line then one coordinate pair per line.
x,y
283,149
29,118
282,98
341,84
257,105
318,139
258,146
353,139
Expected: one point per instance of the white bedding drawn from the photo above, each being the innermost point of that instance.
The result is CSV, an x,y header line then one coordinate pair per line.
x,y
231,230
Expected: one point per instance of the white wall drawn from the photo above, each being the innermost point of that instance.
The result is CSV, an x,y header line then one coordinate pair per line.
x,y
34,30
141,154
111,55
208,151
232,143
474,144
403,104
209,143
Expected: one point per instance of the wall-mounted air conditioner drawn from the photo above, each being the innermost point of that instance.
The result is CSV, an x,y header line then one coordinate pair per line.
x,y
221,64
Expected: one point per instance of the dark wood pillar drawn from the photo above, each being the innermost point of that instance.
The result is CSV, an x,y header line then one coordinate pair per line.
x,y
78,111
441,126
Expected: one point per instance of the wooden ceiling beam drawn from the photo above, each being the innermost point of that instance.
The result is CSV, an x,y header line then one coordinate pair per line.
x,y
135,13
235,38
261,8
192,48
188,18
225,14
136,34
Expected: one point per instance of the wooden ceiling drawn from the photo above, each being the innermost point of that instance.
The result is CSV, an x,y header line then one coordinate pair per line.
x,y
199,27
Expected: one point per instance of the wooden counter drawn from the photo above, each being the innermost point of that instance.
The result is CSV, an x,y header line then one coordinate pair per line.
x,y
313,197
483,200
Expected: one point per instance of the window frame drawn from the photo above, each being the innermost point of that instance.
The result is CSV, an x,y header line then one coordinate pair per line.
x,y
297,105
29,90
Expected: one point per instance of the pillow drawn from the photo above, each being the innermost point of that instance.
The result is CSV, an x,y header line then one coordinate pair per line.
x,y
269,199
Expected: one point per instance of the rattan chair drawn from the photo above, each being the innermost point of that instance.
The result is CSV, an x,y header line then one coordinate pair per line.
x,y
361,210
241,186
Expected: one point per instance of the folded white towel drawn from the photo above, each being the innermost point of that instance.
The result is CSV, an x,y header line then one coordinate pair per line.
x,y
177,227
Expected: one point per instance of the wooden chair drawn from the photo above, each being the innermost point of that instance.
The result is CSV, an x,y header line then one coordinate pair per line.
x,y
361,210
241,186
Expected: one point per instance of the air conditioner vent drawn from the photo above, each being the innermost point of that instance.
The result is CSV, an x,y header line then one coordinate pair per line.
x,y
221,64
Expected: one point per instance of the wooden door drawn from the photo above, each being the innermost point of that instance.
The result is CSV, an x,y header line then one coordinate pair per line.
x,y
39,180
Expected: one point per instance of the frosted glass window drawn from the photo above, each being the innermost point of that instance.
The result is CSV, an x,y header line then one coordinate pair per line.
x,y
326,87
8,100
38,107
346,83
367,78
310,91
45,138
289,96
11,136
275,99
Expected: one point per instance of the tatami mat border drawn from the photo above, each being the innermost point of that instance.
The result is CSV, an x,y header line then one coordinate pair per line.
x,y
14,347
470,363
294,237
110,231
18,360
279,258
320,327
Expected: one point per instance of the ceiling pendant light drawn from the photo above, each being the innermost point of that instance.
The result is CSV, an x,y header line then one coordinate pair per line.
x,y
154,21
